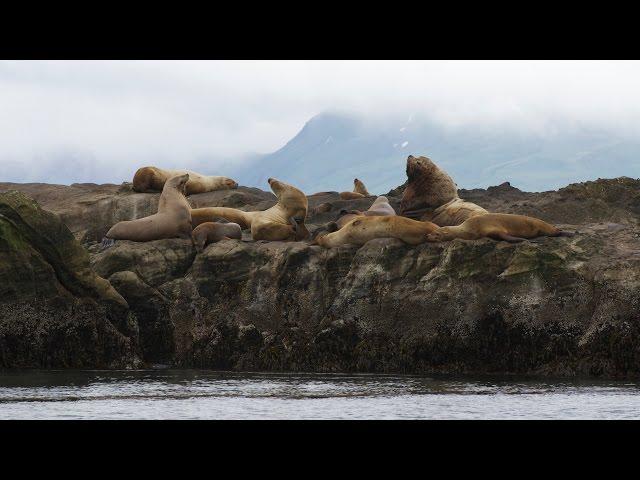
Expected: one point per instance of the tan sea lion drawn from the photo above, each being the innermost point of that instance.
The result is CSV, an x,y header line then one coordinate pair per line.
x,y
173,219
498,226
362,229
432,195
350,195
211,232
283,221
152,179
380,207
359,191
358,187
323,208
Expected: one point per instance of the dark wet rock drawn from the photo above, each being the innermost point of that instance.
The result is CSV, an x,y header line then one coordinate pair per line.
x,y
54,310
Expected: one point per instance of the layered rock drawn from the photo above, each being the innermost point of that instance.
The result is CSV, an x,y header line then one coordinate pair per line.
x,y
54,310
560,306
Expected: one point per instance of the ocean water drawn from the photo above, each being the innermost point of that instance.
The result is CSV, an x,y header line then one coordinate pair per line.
x,y
203,394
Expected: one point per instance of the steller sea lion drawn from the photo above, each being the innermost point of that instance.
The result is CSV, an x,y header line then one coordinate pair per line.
x,y
432,195
362,229
359,191
173,219
211,232
350,195
283,221
152,179
380,207
498,226
358,187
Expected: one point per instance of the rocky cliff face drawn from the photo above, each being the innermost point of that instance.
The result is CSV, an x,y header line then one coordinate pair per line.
x,y
557,306
54,310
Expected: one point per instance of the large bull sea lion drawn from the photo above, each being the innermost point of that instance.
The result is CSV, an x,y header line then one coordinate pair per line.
x,y
173,219
362,229
498,226
283,221
152,179
431,195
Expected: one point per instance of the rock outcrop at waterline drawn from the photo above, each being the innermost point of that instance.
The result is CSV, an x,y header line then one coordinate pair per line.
x,y
54,310
556,306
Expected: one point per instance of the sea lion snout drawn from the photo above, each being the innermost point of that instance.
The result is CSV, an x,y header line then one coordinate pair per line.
x,y
231,183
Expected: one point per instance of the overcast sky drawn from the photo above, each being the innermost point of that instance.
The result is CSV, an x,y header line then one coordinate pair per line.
x,y
120,114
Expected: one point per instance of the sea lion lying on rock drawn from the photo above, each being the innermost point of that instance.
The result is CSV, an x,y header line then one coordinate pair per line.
x,y
283,221
432,195
379,208
173,219
362,229
211,232
498,226
152,179
359,191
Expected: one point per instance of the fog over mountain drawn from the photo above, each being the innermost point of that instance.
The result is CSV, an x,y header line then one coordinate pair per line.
x,y
332,149
318,124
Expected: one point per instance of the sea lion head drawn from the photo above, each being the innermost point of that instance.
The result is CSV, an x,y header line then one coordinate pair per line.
x,y
290,197
428,187
229,183
441,234
178,182
323,208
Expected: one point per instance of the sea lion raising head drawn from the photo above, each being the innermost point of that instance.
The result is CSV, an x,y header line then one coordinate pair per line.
x,y
152,179
283,221
173,219
498,226
358,187
359,191
432,195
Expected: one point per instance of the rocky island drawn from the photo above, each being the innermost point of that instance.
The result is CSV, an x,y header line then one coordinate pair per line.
x,y
552,306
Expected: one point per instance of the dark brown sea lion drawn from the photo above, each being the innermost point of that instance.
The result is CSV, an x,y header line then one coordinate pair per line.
x,y
431,195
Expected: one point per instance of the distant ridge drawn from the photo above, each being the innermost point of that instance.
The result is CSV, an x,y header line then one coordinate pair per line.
x,y
331,149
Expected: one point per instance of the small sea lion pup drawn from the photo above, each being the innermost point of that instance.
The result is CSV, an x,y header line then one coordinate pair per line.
x,y
173,219
498,226
359,191
362,229
432,195
283,221
212,232
152,179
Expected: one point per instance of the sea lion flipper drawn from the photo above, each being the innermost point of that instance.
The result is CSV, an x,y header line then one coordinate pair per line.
x,y
295,225
508,238
107,243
